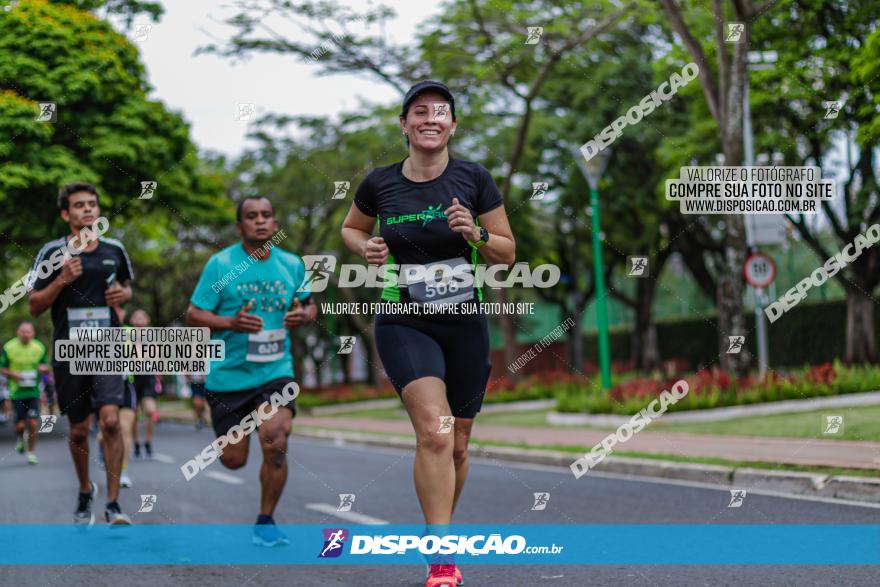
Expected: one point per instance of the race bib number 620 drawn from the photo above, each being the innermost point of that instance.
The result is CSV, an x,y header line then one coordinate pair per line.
x,y
266,346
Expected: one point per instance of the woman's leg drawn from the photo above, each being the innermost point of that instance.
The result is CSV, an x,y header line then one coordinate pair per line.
x,y
434,470
463,427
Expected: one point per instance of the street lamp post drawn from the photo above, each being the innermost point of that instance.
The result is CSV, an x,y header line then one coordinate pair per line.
x,y
593,168
757,60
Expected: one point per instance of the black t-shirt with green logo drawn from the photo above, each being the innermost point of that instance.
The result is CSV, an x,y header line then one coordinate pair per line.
x,y
411,215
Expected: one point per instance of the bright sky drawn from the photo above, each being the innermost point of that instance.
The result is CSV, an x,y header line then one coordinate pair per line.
x,y
207,89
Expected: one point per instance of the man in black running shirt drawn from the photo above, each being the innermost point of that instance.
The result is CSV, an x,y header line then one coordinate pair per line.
x,y
82,292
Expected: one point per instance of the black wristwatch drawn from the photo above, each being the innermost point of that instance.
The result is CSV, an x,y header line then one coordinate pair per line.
x,y
484,238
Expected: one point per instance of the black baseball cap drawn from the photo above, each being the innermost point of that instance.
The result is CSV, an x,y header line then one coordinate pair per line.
x,y
424,86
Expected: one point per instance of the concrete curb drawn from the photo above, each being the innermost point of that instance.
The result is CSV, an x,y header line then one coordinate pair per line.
x,y
859,489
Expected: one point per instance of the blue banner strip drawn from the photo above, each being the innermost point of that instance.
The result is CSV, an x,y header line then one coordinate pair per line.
x,y
646,544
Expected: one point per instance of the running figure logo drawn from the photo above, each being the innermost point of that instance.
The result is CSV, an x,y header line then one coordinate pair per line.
x,y
340,189
534,35
346,500
833,425
48,112
539,189
346,345
832,109
737,496
47,423
334,540
735,344
432,212
147,503
638,266
446,424
541,500
148,188
735,31
441,109
141,32
244,111
319,268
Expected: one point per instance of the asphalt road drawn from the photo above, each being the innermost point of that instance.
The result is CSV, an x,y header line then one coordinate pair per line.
x,y
497,492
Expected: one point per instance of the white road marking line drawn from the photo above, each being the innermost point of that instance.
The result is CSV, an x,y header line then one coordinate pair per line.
x,y
231,479
330,510
351,445
162,458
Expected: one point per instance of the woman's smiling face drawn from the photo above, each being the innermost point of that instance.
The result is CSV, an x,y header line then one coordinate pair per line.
x,y
429,122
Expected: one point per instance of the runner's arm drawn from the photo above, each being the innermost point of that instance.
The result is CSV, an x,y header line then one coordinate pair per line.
x,y
4,366
357,229
197,317
44,363
40,300
501,247
357,233
118,293
43,296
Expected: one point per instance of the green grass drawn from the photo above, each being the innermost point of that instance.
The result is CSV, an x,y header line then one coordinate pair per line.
x,y
859,423
530,419
374,414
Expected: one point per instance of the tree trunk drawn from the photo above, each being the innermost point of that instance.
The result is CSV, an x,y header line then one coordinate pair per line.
x,y
576,342
861,346
731,321
645,352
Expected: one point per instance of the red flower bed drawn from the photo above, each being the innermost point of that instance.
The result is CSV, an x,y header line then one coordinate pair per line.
x,y
706,380
823,373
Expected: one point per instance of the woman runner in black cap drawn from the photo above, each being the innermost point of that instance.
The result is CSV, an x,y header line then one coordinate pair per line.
x,y
433,210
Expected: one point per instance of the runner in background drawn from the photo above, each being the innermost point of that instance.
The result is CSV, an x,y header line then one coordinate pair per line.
x,y
22,360
95,275
197,387
147,389
5,405
49,394
252,314
127,413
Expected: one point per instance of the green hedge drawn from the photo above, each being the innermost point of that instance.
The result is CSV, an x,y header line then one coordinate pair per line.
x,y
809,333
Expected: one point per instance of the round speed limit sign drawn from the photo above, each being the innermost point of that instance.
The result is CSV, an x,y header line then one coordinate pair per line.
x,y
759,270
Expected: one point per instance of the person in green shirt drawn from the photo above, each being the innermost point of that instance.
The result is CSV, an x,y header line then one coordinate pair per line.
x,y
22,360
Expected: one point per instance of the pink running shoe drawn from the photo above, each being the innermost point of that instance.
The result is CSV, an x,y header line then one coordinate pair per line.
x,y
441,576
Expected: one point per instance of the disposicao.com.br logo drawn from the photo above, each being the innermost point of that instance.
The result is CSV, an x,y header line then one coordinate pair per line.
x,y
429,544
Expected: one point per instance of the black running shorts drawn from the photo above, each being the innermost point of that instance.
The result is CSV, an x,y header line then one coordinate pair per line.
x,y
26,409
144,386
454,348
229,408
80,395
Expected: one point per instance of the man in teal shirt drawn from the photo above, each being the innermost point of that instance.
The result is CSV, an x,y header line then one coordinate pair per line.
x,y
23,360
249,295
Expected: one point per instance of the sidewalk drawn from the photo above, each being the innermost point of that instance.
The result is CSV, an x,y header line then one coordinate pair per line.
x,y
798,451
